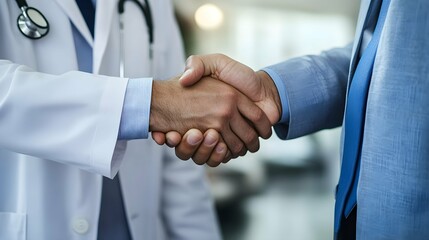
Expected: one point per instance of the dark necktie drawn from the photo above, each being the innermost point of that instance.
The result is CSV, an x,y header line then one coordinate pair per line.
x,y
354,125
112,223
88,12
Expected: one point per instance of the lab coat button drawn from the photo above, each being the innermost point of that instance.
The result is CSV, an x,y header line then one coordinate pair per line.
x,y
80,225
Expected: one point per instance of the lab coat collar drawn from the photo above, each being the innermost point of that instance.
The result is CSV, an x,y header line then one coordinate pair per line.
x,y
72,10
103,20
103,24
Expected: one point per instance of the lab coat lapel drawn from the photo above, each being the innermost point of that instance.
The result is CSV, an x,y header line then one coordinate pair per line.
x,y
73,12
103,25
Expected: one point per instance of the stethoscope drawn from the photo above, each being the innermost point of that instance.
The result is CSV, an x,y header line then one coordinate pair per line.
x,y
33,24
147,14
31,21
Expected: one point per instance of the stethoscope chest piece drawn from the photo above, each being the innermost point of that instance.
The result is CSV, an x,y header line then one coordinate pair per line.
x,y
32,23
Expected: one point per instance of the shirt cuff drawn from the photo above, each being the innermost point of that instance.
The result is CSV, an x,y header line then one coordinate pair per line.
x,y
281,88
135,113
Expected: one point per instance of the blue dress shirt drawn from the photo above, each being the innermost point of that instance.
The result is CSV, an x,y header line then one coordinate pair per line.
x,y
134,124
135,113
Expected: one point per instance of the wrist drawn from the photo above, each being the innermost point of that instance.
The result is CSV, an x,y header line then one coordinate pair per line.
x,y
271,95
157,107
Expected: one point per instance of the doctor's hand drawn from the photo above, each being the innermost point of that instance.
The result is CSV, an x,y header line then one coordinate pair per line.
x,y
258,86
209,104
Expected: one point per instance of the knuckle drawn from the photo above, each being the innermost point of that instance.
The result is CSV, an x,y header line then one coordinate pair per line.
x,y
243,152
198,161
225,114
254,148
219,55
227,157
200,157
213,164
251,137
219,125
230,95
259,116
191,58
182,157
269,132
237,148
215,160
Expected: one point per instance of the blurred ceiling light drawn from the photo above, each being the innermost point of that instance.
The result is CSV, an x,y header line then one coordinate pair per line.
x,y
209,17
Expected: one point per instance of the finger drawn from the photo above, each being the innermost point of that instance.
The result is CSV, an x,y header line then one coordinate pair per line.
x,y
235,145
227,157
203,153
245,132
189,144
173,138
256,116
218,154
159,138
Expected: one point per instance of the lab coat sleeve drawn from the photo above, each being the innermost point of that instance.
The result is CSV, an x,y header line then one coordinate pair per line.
x,y
71,118
315,88
187,205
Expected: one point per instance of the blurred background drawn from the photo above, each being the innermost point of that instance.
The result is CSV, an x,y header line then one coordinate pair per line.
x,y
286,190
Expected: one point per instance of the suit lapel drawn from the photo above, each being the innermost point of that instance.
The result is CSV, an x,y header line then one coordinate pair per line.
x,y
364,8
72,10
103,24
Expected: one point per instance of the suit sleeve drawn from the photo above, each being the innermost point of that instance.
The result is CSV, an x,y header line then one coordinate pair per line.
x,y
187,205
316,89
71,118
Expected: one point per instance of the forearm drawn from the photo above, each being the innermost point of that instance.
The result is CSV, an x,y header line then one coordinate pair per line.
x,y
71,118
316,89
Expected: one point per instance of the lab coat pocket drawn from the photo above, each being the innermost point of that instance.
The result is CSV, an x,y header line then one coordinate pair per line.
x,y
13,226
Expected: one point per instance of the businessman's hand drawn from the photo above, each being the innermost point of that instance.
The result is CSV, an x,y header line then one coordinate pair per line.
x,y
212,151
258,86
209,104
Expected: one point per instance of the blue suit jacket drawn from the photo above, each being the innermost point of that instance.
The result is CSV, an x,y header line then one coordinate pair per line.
x,y
393,190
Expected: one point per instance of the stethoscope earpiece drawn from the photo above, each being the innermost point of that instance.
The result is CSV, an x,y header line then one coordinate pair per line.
x,y
32,23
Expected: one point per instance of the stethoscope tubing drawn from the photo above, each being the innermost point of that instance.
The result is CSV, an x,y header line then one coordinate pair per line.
x,y
147,14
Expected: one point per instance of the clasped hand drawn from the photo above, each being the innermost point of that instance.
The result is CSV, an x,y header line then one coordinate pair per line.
x,y
216,111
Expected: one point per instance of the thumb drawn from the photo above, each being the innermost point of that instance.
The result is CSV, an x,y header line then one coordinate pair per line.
x,y
200,66
225,69
194,71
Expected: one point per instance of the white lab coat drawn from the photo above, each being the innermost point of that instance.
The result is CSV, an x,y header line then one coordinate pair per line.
x,y
58,130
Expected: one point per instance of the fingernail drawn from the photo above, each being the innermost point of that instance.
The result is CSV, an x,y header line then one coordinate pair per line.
x,y
220,148
185,74
193,139
209,140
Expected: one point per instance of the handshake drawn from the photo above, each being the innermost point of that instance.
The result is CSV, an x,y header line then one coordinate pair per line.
x,y
215,111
